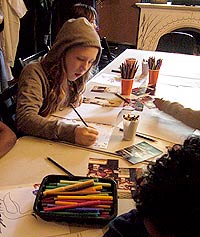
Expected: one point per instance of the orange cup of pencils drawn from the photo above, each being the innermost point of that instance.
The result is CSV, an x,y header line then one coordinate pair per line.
x,y
154,68
153,77
128,70
126,86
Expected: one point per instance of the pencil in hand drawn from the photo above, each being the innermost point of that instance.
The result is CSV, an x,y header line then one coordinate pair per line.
x,y
78,114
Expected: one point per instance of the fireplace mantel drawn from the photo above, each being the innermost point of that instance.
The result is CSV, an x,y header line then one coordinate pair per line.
x,y
158,19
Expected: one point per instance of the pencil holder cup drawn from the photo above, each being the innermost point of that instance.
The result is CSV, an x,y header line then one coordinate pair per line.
x,y
153,77
130,128
75,198
126,86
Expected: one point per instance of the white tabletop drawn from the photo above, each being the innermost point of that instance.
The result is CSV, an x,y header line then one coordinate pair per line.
x,y
26,163
174,64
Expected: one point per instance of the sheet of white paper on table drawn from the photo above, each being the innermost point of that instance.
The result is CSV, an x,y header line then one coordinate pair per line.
x,y
92,113
108,79
179,81
158,124
105,133
16,219
114,80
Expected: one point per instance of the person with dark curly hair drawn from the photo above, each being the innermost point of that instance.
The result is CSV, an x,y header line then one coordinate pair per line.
x,y
167,197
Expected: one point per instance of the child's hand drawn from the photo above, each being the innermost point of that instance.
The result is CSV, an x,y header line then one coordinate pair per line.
x,y
86,136
158,102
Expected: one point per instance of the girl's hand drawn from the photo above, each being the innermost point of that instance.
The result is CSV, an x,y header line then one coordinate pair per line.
x,y
86,136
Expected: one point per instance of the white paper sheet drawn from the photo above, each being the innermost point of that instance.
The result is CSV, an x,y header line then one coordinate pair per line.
x,y
158,124
16,219
91,113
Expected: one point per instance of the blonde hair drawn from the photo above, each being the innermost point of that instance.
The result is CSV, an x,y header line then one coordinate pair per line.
x,y
60,87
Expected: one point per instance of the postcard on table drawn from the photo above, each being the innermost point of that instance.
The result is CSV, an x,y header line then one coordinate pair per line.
x,y
127,181
147,101
109,102
104,89
139,152
139,91
124,177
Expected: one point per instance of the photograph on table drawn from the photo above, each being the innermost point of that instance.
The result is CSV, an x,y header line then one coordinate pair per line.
x,y
147,101
134,104
124,177
103,168
139,152
110,102
104,89
127,181
138,91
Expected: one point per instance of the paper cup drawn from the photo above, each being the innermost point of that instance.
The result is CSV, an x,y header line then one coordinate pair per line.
x,y
130,128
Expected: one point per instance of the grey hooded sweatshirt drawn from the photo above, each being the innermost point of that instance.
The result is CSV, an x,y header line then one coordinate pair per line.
x,y
34,85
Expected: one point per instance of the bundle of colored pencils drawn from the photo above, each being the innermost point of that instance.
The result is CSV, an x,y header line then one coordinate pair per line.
x,y
128,70
154,64
78,198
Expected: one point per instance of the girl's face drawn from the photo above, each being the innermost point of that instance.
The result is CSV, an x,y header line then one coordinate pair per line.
x,y
79,60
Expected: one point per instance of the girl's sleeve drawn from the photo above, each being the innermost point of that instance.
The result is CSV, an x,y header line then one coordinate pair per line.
x,y
32,91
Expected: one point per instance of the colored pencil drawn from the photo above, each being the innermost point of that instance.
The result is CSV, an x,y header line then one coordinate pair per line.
x,y
59,166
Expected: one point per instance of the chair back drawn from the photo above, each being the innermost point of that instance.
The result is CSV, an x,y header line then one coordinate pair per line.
x,y
8,106
21,62
177,42
33,57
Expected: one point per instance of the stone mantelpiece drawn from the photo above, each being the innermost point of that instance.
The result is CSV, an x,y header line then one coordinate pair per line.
x,y
158,19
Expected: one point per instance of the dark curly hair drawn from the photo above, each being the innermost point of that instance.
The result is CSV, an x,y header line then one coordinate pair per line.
x,y
168,195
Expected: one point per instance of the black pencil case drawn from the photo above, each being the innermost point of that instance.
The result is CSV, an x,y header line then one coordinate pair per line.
x,y
82,217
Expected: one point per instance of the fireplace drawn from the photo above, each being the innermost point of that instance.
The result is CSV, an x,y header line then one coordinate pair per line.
x,y
159,19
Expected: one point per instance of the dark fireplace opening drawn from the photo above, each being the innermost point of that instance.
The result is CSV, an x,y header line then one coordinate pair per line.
x,y
195,33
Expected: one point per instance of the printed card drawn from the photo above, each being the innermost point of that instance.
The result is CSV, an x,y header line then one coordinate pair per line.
x,y
147,101
124,177
104,89
109,102
139,152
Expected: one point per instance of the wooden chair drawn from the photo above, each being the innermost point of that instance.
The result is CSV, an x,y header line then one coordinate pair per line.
x,y
8,106
177,42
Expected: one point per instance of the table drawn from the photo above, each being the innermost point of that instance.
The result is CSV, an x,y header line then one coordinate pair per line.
x,y
174,64
179,80
26,163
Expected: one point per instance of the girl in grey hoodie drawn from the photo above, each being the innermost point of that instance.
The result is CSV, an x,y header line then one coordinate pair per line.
x,y
56,81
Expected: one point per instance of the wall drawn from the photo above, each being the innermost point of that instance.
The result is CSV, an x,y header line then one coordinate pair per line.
x,y
118,20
